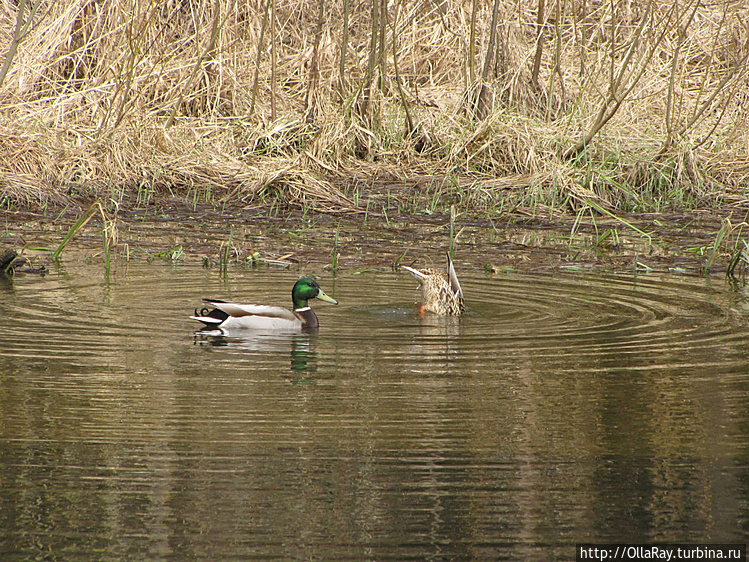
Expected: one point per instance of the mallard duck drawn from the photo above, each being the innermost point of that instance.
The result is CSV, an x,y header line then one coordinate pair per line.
x,y
440,290
230,315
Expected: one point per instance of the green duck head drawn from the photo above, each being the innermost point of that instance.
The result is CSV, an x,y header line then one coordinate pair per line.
x,y
306,289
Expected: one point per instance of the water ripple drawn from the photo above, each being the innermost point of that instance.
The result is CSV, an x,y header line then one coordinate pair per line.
x,y
124,424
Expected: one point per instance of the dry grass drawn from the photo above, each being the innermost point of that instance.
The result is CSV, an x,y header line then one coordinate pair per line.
x,y
629,105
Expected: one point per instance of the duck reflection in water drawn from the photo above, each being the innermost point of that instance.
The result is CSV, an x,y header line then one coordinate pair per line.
x,y
263,328
301,346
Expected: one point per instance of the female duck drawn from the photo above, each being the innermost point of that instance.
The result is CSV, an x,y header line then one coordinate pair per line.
x,y
229,315
440,290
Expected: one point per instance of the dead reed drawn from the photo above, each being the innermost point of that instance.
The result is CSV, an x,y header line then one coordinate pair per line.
x,y
623,105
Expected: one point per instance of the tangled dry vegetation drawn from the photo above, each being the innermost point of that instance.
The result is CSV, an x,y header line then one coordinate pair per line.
x,y
618,104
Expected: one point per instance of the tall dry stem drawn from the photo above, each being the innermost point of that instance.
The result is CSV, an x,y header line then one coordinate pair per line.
x,y
197,65
623,80
539,44
680,38
401,93
382,49
734,77
263,27
472,45
556,71
342,82
23,25
481,106
273,60
372,59
314,67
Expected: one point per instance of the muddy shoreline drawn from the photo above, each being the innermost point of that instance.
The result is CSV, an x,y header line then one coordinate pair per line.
x,y
694,244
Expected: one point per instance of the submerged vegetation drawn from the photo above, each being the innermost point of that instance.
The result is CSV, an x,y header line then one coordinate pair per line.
x,y
341,106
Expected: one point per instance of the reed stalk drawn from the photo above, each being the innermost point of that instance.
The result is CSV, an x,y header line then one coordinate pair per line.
x,y
401,94
725,229
273,61
540,20
342,82
77,227
472,45
255,83
452,230
372,58
108,229
739,256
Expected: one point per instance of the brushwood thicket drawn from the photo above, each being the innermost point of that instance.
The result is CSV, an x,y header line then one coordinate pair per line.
x,y
622,105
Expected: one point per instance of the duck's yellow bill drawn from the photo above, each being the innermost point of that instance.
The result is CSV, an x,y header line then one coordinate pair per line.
x,y
323,297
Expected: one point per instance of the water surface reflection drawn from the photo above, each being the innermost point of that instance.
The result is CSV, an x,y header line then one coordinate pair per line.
x,y
301,347
559,409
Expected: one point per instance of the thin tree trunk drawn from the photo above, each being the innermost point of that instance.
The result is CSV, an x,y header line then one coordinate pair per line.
x,y
314,67
372,57
273,58
344,52
472,46
539,44
482,105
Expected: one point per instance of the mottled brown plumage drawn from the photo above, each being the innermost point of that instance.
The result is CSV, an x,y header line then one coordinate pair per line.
x,y
440,290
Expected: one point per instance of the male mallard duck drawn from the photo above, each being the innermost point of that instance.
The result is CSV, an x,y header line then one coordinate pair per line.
x,y
232,315
440,290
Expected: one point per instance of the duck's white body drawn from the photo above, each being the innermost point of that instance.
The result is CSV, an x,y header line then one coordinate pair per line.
x,y
236,316
258,317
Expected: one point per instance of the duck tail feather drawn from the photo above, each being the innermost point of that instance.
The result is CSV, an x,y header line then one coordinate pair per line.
x,y
454,283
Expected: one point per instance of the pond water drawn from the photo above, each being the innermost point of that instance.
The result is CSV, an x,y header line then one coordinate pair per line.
x,y
562,408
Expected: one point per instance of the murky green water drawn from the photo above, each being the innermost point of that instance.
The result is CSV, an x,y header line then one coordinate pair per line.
x,y
562,408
